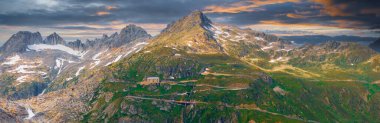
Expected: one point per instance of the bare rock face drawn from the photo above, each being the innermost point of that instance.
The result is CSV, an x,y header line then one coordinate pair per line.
x,y
196,18
76,45
130,33
6,118
19,41
54,39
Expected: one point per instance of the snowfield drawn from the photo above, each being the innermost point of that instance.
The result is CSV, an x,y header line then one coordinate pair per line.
x,y
22,69
41,47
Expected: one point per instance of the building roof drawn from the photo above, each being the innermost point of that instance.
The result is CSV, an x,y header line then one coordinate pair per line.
x,y
153,78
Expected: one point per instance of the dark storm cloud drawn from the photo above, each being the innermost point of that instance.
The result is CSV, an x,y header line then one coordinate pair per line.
x,y
363,16
347,13
105,14
142,11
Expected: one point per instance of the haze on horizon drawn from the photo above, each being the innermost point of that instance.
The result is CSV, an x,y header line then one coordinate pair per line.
x,y
84,19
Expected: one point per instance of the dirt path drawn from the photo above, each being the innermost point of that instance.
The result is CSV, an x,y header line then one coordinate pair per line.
x,y
220,87
165,100
282,68
340,80
199,102
376,82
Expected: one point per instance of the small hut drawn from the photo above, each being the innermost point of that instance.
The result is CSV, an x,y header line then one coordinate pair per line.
x,y
153,79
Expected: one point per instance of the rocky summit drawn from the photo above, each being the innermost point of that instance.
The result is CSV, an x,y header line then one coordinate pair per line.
x,y
19,41
54,39
195,70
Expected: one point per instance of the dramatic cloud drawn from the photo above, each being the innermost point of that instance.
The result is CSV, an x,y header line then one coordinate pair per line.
x,y
90,18
244,6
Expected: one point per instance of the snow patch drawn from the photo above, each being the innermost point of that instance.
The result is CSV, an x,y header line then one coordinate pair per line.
x,y
267,47
78,72
115,60
30,113
68,79
287,50
58,65
141,43
279,59
42,93
22,69
41,47
21,79
13,60
96,59
260,38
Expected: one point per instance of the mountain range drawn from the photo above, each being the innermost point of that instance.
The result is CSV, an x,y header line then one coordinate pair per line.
x,y
209,72
317,39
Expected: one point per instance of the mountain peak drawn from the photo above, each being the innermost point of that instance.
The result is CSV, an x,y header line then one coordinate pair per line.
x,y
132,32
195,18
19,41
54,39
198,17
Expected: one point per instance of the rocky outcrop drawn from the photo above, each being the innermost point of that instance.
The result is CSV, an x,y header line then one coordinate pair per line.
x,y
127,35
6,118
27,91
54,39
19,42
76,45
131,33
196,18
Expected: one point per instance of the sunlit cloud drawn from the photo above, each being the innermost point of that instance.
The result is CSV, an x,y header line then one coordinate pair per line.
x,y
90,19
102,13
348,7
292,15
333,9
110,7
243,6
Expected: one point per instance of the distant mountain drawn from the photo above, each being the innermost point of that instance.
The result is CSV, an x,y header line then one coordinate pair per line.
x,y
34,63
375,45
316,39
19,41
54,39
126,35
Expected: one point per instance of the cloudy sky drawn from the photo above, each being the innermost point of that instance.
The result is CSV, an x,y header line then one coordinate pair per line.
x,y
84,19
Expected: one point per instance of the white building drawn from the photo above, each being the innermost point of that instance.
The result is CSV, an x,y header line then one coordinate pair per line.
x,y
153,79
